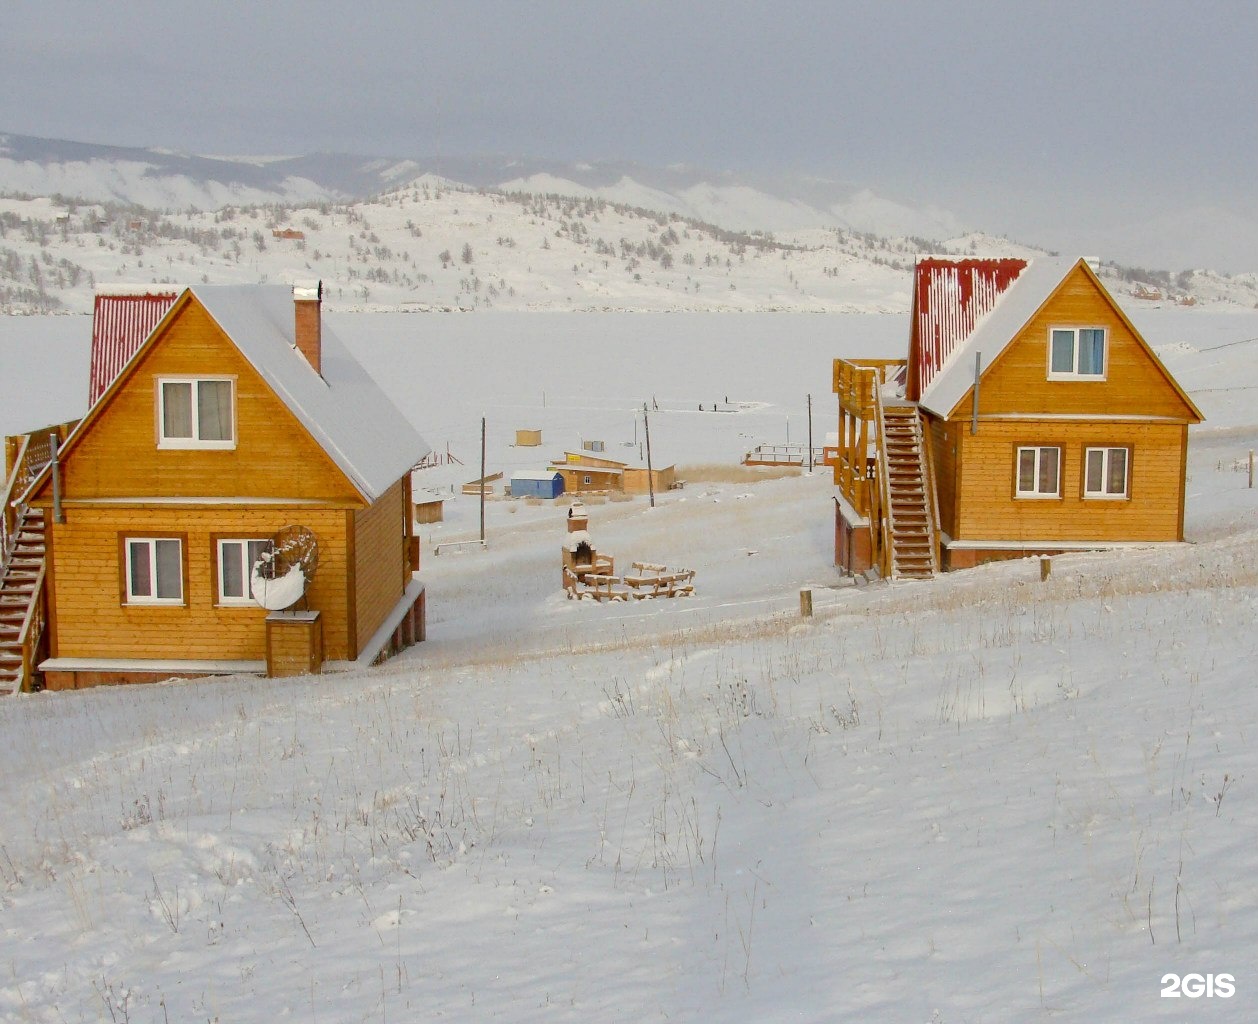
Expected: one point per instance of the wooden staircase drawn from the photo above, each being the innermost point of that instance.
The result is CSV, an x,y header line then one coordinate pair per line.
x,y
21,602
912,522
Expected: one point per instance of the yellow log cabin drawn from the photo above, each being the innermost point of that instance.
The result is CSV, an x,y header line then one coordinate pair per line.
x,y
1030,417
237,416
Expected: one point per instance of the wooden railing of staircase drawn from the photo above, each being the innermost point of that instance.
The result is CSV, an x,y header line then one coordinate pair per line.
x,y
936,530
882,526
25,456
856,383
31,635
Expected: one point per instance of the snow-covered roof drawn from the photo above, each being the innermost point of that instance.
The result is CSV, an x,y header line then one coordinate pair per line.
x,y
581,467
344,410
122,317
535,474
999,318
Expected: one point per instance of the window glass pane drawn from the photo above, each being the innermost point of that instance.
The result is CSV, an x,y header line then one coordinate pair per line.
x,y
169,569
231,581
1048,471
214,414
1095,471
1091,351
141,582
256,549
1063,352
1026,469
1117,471
176,409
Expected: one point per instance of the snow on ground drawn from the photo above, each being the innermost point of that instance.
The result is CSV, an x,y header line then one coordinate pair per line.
x,y
982,798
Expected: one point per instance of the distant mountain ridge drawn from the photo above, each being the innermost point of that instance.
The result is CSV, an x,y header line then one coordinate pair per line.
x,y
161,179
480,233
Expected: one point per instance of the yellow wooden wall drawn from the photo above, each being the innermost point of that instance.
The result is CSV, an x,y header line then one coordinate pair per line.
x,y
91,620
600,480
635,480
988,510
976,473
942,437
380,556
274,455
1134,383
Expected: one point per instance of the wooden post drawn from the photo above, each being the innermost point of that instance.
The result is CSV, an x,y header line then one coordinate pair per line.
x,y
58,516
1251,469
978,363
482,479
1046,567
810,434
650,476
805,603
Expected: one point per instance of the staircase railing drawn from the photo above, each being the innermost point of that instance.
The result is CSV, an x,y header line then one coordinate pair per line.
x,y
936,530
885,563
26,455
16,483
31,635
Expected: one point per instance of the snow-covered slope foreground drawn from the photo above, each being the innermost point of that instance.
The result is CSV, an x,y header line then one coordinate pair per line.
x,y
981,798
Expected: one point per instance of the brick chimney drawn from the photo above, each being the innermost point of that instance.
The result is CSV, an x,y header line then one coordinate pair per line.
x,y
308,333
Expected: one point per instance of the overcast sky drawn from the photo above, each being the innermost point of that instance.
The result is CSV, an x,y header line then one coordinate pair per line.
x,y
1019,116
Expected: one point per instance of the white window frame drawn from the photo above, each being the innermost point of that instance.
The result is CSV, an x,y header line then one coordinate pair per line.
x,y
183,443
151,597
1074,373
1104,494
1036,493
245,599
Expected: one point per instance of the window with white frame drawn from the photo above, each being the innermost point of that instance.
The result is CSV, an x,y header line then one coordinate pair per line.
x,y
1039,473
154,570
1105,472
196,412
236,559
1076,353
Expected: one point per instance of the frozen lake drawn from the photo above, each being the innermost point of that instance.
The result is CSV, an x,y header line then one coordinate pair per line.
x,y
585,376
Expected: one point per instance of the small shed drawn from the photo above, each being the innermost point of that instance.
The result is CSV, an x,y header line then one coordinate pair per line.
x,y
429,506
536,483
528,438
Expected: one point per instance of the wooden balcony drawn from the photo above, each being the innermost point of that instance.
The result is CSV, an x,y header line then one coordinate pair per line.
x,y
856,382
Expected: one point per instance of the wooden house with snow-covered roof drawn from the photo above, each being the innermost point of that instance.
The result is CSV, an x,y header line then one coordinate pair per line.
x,y
1030,417
233,414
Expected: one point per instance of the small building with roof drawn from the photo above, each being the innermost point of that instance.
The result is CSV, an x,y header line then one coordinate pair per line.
x,y
233,415
536,483
1030,417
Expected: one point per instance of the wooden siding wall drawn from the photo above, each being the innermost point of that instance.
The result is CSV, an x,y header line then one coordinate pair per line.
x,y
379,562
1018,380
988,510
573,480
943,439
93,621
635,479
274,455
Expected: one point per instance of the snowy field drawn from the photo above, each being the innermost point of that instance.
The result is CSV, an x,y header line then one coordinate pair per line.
x,y
977,799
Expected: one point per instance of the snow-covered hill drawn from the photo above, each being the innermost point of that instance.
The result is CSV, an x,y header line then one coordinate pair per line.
x,y
477,234
436,245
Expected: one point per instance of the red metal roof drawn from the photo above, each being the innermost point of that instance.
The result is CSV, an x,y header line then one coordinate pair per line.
x,y
950,297
120,323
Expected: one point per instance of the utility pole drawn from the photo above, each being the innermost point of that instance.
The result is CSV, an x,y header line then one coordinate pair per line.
x,y
650,476
810,435
482,480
